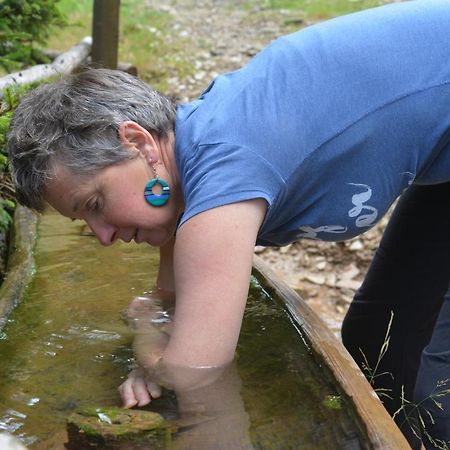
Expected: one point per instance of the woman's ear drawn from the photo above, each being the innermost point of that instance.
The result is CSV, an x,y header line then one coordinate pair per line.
x,y
131,135
135,138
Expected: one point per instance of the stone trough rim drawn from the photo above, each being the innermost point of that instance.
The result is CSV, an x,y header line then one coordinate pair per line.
x,y
21,264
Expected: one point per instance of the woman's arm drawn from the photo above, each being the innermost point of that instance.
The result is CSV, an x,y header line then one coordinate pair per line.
x,y
213,259
150,339
165,280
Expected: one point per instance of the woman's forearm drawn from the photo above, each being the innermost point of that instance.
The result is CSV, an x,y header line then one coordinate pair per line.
x,y
165,280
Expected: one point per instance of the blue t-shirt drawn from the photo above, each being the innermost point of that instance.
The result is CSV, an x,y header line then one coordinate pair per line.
x,y
329,125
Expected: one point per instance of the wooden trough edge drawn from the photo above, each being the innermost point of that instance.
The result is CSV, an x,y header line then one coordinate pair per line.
x,y
20,262
380,430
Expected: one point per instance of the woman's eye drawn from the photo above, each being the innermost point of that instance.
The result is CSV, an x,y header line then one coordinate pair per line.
x,y
94,205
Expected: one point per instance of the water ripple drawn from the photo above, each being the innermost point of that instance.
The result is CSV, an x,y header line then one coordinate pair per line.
x,y
12,420
93,334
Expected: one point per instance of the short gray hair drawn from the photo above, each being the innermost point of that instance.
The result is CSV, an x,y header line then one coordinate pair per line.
x,y
75,122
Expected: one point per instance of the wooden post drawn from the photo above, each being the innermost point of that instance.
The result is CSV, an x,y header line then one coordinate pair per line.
x,y
105,33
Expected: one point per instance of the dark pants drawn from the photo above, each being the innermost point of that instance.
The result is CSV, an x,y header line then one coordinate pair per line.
x,y
409,277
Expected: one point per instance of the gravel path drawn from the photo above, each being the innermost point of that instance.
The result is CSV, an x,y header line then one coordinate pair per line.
x,y
221,36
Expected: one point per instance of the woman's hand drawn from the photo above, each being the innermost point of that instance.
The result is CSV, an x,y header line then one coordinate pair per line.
x,y
151,324
154,309
138,390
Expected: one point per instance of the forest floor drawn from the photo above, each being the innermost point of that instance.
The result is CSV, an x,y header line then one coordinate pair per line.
x,y
223,38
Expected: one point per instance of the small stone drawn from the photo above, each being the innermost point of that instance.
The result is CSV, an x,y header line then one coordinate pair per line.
x,y
356,245
321,265
348,284
308,291
117,429
315,279
346,279
200,75
351,272
331,280
285,249
259,249
345,298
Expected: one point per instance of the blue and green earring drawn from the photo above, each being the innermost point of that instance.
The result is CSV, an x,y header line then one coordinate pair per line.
x,y
156,199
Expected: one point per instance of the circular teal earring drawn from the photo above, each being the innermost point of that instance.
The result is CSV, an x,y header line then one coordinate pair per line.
x,y
156,199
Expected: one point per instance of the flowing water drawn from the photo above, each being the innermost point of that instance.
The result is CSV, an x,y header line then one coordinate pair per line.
x,y
66,347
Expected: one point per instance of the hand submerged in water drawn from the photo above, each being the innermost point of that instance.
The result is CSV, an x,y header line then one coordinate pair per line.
x,y
151,326
150,320
138,390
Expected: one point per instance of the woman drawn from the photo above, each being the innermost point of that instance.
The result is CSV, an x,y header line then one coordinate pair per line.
x,y
314,138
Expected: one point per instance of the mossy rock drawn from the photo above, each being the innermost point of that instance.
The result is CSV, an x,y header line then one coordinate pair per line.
x,y
117,429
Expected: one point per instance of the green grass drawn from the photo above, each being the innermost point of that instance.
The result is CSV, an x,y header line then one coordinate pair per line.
x,y
298,13
324,8
145,39
310,11
79,23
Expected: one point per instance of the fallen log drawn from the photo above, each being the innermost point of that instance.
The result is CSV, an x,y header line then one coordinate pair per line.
x,y
63,64
122,66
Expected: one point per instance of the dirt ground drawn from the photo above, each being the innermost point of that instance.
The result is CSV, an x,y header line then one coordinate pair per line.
x,y
223,37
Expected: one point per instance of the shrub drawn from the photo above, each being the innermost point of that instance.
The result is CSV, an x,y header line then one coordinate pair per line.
x,y
24,23
11,97
6,188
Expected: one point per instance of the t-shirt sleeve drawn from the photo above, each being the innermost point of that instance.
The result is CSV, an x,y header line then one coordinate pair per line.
x,y
221,174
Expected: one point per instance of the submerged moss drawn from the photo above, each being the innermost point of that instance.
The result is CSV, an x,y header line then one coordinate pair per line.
x,y
333,402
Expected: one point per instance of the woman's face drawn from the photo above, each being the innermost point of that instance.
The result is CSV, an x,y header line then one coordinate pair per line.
x,y
112,203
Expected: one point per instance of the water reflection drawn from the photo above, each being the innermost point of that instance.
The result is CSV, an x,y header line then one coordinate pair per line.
x,y
217,413
12,421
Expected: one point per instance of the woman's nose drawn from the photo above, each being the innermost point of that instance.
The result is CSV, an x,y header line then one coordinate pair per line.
x,y
105,233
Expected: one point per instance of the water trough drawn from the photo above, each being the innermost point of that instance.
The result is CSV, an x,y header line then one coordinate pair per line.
x,y
64,347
